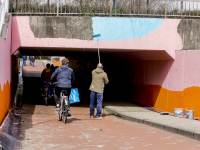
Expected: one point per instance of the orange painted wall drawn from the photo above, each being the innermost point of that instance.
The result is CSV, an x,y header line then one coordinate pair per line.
x,y
166,100
57,63
4,100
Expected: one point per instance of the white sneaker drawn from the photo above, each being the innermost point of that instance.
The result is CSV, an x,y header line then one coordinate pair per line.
x,y
99,117
57,107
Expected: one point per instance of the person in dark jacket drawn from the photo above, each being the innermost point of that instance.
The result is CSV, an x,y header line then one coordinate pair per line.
x,y
46,77
30,59
52,67
33,60
65,78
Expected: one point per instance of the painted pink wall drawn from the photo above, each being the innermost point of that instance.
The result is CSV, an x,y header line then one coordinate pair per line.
x,y
175,75
167,84
5,73
164,37
5,50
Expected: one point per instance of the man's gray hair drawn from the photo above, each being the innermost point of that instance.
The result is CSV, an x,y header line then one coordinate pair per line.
x,y
65,61
99,65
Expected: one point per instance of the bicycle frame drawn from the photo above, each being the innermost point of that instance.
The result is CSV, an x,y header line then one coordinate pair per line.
x,y
63,111
63,98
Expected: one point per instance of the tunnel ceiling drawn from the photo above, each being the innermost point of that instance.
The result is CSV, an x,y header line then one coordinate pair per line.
x,y
76,52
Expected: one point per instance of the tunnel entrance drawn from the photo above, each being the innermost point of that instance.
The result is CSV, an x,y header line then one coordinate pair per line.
x,y
82,66
126,72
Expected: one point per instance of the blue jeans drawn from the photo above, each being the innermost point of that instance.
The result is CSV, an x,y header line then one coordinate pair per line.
x,y
24,62
30,62
96,98
33,63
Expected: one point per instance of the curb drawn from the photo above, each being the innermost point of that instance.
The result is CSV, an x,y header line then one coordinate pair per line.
x,y
164,127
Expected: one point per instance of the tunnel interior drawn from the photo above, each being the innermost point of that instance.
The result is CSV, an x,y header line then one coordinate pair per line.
x,y
125,70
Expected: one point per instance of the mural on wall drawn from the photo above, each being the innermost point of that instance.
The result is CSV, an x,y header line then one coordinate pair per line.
x,y
123,28
5,73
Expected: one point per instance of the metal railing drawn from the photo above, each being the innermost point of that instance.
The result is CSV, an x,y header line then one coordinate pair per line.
x,y
4,8
159,8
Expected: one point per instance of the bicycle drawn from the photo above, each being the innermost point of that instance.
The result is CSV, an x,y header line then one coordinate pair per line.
x,y
45,94
63,111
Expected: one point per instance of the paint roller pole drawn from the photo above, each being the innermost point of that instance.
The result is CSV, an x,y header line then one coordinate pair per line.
x,y
97,36
98,48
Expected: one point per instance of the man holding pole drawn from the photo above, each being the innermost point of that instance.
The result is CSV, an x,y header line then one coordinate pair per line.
x,y
99,79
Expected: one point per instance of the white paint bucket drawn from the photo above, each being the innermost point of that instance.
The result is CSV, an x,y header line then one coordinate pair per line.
x,y
178,112
190,114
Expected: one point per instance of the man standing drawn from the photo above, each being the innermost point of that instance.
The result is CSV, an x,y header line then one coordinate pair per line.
x,y
65,78
99,79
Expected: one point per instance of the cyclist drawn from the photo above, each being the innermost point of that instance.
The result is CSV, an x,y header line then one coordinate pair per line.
x,y
64,76
46,76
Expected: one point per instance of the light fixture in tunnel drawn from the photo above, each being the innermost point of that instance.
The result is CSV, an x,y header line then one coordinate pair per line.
x,y
97,36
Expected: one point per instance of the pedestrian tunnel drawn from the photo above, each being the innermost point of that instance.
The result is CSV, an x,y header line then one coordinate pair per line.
x,y
135,76
137,60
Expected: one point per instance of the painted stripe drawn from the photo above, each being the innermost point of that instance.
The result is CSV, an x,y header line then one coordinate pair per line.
x,y
5,97
123,28
166,100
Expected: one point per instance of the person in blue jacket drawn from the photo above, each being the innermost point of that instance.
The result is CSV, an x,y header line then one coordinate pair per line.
x,y
24,58
64,76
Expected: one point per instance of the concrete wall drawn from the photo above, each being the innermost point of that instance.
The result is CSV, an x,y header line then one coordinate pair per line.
x,y
5,73
189,32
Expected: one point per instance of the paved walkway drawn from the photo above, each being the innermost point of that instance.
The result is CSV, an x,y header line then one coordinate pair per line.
x,y
30,71
146,115
41,130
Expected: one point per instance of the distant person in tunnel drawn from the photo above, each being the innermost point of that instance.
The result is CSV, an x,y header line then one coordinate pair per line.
x,y
24,58
52,67
99,79
46,76
65,78
30,59
33,60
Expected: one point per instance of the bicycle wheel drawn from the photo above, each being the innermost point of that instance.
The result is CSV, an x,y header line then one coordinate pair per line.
x,y
65,113
60,115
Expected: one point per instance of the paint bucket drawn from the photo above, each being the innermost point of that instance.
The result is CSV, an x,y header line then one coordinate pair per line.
x,y
178,112
190,114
